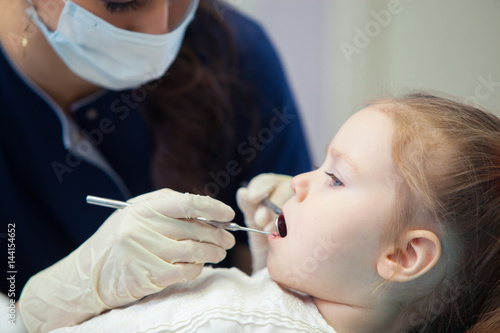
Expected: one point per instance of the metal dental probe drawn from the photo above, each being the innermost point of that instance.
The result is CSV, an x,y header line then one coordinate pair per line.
x,y
266,202
279,221
231,226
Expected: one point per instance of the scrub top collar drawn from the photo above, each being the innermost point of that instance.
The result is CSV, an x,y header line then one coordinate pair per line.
x,y
72,137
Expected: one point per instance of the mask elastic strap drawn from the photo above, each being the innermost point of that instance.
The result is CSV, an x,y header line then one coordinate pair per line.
x,y
31,5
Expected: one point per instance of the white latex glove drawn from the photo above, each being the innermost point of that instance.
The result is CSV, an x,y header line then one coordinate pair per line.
x,y
136,252
257,216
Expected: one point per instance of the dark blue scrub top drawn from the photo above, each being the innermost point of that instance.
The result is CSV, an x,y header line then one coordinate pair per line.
x,y
44,185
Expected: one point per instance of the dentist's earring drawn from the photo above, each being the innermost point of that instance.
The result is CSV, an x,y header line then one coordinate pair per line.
x,y
27,25
24,40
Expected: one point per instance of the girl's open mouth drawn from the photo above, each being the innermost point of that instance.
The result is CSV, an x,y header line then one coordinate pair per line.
x,y
280,225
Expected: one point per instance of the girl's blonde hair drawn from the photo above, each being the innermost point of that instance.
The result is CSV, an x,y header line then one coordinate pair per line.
x,y
447,159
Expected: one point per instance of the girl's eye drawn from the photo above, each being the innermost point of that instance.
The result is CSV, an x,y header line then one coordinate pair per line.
x,y
335,181
120,7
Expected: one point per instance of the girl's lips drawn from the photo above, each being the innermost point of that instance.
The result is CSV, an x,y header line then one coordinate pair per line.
x,y
273,236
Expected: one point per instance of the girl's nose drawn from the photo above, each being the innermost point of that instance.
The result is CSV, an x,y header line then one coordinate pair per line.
x,y
300,185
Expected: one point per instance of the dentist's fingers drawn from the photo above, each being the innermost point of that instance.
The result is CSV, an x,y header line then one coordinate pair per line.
x,y
154,224
185,205
262,186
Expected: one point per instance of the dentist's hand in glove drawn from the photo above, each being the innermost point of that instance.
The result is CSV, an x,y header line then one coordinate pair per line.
x,y
139,250
268,185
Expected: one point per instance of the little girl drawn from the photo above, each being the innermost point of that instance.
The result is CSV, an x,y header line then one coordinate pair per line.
x,y
397,231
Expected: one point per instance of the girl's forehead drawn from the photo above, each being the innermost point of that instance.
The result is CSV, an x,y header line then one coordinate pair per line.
x,y
365,142
365,125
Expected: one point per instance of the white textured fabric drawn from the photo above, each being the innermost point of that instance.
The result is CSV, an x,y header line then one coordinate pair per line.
x,y
219,300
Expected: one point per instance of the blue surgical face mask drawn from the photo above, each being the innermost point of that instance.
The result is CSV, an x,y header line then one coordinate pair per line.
x,y
108,56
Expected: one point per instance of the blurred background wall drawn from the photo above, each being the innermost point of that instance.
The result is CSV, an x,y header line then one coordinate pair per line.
x,y
339,53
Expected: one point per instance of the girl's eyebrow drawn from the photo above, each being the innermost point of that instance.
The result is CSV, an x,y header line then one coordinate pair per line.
x,y
342,156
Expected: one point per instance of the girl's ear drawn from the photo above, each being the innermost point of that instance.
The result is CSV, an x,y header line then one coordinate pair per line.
x,y
418,252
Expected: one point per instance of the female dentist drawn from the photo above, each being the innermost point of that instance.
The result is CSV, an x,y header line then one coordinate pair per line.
x,y
119,98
